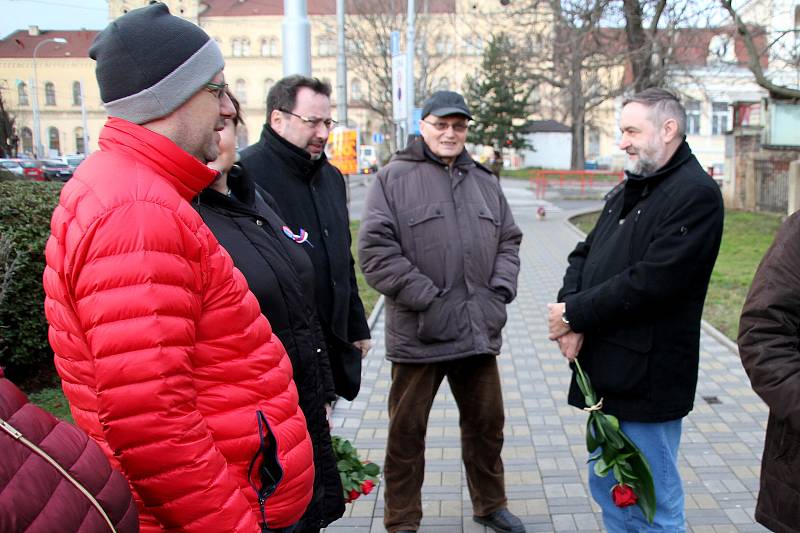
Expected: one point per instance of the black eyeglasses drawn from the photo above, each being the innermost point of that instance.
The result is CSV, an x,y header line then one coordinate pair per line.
x,y
313,121
217,89
458,127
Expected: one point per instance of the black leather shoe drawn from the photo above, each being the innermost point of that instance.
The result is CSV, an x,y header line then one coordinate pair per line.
x,y
502,521
406,531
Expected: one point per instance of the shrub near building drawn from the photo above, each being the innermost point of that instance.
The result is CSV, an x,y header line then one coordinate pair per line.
x,y
25,210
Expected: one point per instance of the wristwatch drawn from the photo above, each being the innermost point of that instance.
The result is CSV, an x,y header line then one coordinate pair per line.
x,y
564,317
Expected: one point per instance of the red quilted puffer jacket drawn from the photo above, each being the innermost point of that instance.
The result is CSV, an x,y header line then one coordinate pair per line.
x,y
164,355
37,496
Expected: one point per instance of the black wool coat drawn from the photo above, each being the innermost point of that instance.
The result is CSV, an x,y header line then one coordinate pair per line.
x,y
636,286
311,195
280,275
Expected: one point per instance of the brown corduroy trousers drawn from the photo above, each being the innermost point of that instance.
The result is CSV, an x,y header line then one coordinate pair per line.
x,y
475,383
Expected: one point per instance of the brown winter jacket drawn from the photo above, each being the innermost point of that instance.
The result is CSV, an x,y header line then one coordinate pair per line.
x,y
768,345
441,244
34,495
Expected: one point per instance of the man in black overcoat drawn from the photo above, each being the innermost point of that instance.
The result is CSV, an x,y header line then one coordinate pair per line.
x,y
631,304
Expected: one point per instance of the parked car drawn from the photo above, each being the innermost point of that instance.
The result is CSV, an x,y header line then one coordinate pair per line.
x,y
31,169
55,170
367,159
73,160
12,166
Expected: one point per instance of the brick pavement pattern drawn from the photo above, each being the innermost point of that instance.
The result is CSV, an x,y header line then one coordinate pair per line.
x,y
544,452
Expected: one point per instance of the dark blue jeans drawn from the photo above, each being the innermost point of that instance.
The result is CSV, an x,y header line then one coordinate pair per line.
x,y
659,443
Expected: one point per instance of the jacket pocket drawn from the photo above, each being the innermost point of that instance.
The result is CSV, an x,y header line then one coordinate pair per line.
x,y
494,313
426,241
441,321
488,224
622,365
265,471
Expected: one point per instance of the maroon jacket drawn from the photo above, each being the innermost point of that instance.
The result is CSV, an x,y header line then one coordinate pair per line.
x,y
34,496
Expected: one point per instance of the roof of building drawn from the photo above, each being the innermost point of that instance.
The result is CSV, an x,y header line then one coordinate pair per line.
x,y
242,8
546,126
21,44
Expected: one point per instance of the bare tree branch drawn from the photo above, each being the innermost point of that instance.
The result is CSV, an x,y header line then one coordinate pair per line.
x,y
754,58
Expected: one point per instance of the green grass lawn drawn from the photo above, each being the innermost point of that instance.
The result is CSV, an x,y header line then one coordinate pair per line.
x,y
369,296
52,399
745,239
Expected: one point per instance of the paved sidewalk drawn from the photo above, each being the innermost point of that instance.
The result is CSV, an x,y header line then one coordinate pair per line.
x,y
544,451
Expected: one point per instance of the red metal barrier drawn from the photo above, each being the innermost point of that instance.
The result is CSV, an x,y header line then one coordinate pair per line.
x,y
540,179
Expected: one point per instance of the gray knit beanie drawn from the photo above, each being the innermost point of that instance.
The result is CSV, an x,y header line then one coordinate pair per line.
x,y
149,63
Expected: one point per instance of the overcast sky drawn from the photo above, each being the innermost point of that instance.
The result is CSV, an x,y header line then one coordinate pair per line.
x,y
52,15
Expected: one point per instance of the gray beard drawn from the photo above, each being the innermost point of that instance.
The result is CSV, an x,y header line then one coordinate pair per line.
x,y
642,167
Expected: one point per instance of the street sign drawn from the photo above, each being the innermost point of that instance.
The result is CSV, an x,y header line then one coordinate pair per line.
x,y
398,87
394,43
377,138
417,115
344,150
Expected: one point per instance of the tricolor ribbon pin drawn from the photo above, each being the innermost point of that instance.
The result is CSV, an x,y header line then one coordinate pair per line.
x,y
299,238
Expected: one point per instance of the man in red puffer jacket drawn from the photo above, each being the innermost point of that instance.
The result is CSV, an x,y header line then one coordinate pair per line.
x,y
163,353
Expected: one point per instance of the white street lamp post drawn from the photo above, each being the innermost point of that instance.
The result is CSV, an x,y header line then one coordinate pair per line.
x,y
36,124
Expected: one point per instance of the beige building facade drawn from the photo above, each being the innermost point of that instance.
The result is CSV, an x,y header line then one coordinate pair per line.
x,y
249,34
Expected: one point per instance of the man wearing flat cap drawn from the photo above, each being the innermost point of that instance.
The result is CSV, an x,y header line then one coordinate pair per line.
x,y
438,240
164,355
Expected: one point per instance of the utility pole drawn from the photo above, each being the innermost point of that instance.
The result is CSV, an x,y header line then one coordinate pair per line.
x,y
341,66
37,133
410,48
83,119
296,31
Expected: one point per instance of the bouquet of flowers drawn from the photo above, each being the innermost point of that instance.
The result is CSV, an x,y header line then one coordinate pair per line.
x,y
618,454
358,477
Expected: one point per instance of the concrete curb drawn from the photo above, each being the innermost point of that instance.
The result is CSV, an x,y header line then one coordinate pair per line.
x,y
376,312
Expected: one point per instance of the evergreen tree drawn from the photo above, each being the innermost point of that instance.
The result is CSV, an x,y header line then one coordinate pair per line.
x,y
498,96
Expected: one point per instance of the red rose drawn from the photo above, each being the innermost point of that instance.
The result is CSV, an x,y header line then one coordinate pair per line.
x,y
352,495
623,495
367,486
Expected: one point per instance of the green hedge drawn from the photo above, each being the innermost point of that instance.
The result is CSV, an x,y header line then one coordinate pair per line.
x,y
25,210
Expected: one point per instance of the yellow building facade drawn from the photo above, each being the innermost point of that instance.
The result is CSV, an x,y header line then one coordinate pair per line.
x,y
249,34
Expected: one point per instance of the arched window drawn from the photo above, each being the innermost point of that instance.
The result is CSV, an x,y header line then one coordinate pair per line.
x,y
236,47
54,141
241,137
326,46
269,47
26,138
80,146
473,45
268,83
49,93
721,49
245,46
76,93
443,45
22,93
240,90
355,89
